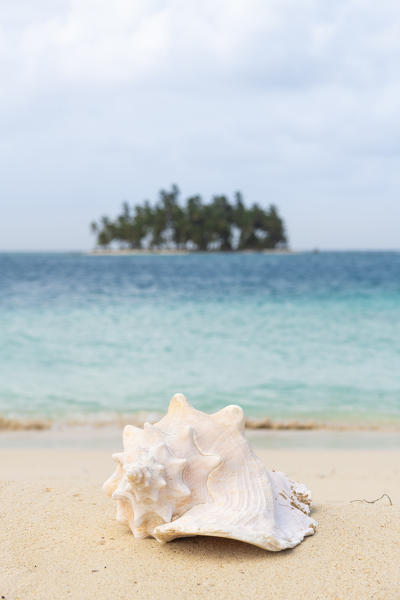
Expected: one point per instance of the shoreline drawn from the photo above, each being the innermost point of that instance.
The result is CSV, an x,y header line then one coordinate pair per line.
x,y
141,417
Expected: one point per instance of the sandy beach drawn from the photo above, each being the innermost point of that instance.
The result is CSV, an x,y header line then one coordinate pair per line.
x,y
59,537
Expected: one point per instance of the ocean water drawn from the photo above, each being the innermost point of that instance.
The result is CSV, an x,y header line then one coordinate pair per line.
x,y
298,336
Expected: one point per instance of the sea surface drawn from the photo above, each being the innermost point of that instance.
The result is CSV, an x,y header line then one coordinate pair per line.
x,y
298,336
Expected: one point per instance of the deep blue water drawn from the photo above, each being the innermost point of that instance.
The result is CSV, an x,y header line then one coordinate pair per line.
x,y
289,336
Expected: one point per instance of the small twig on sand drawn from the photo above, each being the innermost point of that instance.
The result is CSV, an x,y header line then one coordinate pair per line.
x,y
373,501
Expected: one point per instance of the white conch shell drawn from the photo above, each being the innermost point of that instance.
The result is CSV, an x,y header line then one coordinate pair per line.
x,y
196,474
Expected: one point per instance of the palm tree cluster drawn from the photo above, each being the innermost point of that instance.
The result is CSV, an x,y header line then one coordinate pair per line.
x,y
192,225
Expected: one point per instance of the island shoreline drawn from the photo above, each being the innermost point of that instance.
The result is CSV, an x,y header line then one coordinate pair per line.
x,y
177,252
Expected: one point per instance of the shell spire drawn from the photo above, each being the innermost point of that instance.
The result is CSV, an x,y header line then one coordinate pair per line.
x,y
195,474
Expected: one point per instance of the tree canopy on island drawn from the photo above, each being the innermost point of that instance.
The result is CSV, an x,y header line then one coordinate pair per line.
x,y
192,225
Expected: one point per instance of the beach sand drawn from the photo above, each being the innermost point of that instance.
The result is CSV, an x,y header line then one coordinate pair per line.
x,y
59,538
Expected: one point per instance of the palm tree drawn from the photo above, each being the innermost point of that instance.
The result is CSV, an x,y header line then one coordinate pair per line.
x,y
199,225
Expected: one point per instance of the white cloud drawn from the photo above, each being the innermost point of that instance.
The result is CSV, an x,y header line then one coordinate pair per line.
x,y
269,43
292,100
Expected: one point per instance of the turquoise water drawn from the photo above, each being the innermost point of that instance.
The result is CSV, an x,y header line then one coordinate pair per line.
x,y
289,336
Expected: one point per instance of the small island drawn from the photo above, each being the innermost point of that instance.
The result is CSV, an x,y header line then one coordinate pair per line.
x,y
170,225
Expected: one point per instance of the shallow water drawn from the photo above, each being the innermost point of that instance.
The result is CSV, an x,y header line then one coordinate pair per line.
x,y
306,336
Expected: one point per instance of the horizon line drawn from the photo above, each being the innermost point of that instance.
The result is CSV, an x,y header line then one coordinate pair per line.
x,y
314,249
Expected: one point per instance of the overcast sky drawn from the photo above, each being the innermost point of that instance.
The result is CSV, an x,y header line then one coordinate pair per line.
x,y
295,102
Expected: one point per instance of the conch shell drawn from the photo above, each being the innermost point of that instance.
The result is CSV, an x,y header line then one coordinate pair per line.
x,y
195,474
